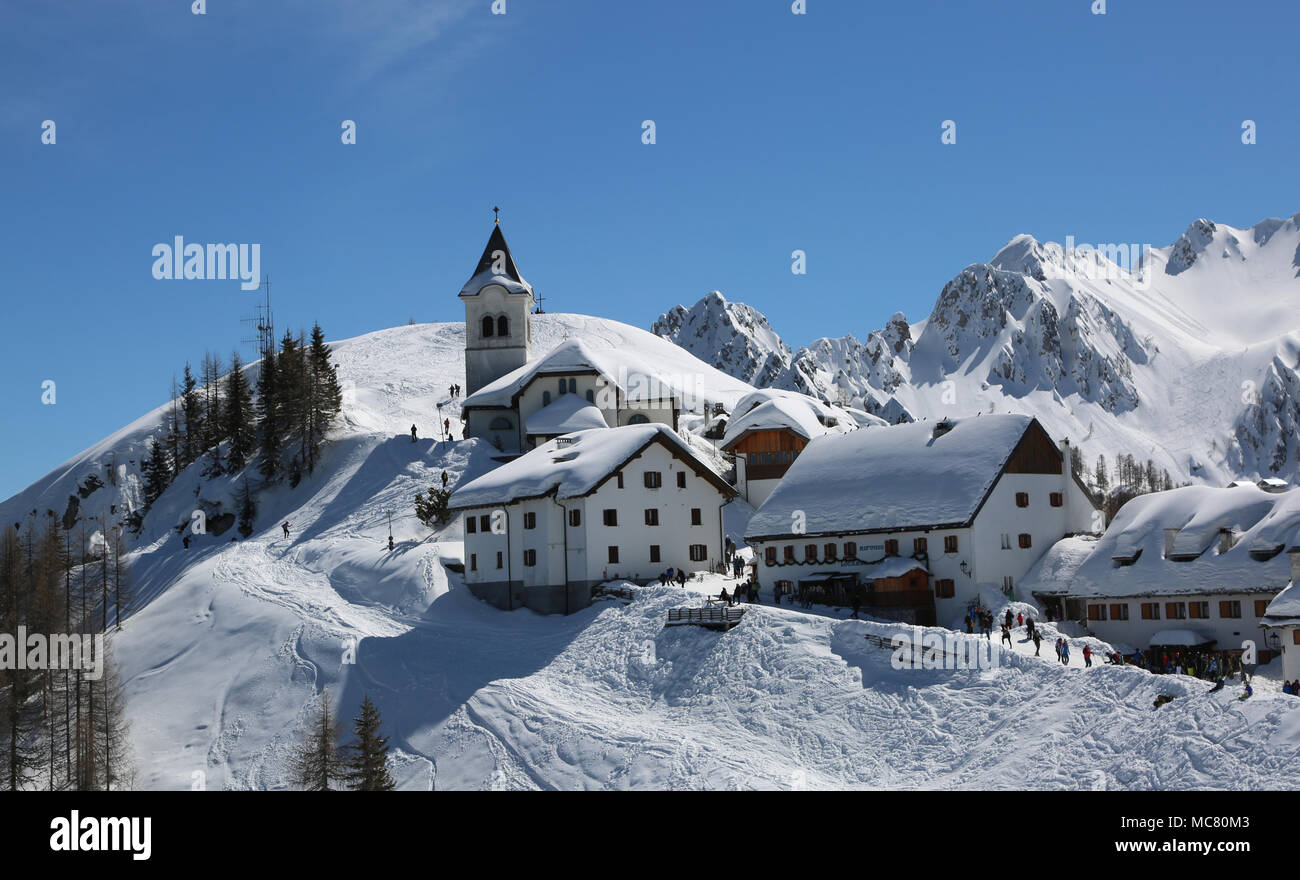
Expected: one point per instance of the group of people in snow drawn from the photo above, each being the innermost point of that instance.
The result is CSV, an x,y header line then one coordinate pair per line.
x,y
1291,687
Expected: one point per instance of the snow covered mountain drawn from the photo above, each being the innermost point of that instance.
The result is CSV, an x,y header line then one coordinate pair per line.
x,y
1186,355
229,642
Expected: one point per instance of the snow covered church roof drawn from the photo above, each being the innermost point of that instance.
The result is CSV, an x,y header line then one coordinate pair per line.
x,y
569,413
576,465
771,409
634,376
1194,539
917,475
496,266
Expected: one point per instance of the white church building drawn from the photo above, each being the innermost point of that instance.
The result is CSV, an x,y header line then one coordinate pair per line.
x,y
601,504
516,402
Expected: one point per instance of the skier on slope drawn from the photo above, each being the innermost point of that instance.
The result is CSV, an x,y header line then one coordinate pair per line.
x,y
285,525
413,433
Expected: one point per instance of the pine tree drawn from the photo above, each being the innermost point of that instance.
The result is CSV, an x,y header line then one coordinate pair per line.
x,y
270,429
157,472
191,440
213,414
238,411
246,508
325,397
432,511
316,764
292,392
367,755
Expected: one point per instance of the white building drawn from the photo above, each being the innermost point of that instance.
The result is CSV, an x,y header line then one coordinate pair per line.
x,y
629,502
498,305
1196,559
768,429
572,387
974,501
1282,618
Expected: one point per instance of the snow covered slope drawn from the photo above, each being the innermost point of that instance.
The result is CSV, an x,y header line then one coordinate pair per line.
x,y
229,642
1188,357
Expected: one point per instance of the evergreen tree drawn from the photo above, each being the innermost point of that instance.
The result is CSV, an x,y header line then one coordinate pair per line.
x,y
270,429
432,511
367,755
325,396
292,393
238,411
191,440
157,472
316,764
1103,479
213,415
246,507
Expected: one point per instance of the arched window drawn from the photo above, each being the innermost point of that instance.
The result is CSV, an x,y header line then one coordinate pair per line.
x,y
500,423
563,386
638,419
573,386
546,398
591,396
488,324
503,326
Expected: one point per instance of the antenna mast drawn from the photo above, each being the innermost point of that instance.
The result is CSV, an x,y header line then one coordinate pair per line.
x,y
263,321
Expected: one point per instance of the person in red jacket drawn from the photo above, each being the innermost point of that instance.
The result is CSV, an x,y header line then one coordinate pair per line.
x,y
1087,655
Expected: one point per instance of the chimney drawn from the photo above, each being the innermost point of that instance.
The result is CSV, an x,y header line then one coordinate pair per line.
x,y
1294,553
1227,540
1170,535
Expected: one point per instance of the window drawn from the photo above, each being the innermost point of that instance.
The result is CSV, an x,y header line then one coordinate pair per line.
x,y
575,517
471,525
500,560
652,516
530,557
697,517
654,552
546,398
949,543
810,553
1175,611
1150,610
1230,609
944,588
591,396
1057,499
1119,611
1022,499
891,547
1295,636
1096,612
653,479
488,325
610,516
618,479
850,550
1025,541
1006,541
484,523
638,419
1261,605
501,424
613,554
681,479
503,326
473,562
789,553
1198,610
919,545
573,386
564,386
530,520
829,552
699,552
769,555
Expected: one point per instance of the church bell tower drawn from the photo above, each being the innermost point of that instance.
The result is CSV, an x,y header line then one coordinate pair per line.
x,y
498,308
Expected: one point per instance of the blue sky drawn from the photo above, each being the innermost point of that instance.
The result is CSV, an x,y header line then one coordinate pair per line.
x,y
775,132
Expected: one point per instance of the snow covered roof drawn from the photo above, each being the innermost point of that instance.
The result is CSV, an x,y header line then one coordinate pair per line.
x,y
568,413
892,478
496,256
1186,638
575,465
767,410
891,567
636,377
1261,525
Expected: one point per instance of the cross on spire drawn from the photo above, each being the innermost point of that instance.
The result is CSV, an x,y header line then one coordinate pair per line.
x,y
496,216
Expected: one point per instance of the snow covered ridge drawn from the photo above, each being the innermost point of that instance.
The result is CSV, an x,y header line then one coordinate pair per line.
x,y
1190,355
